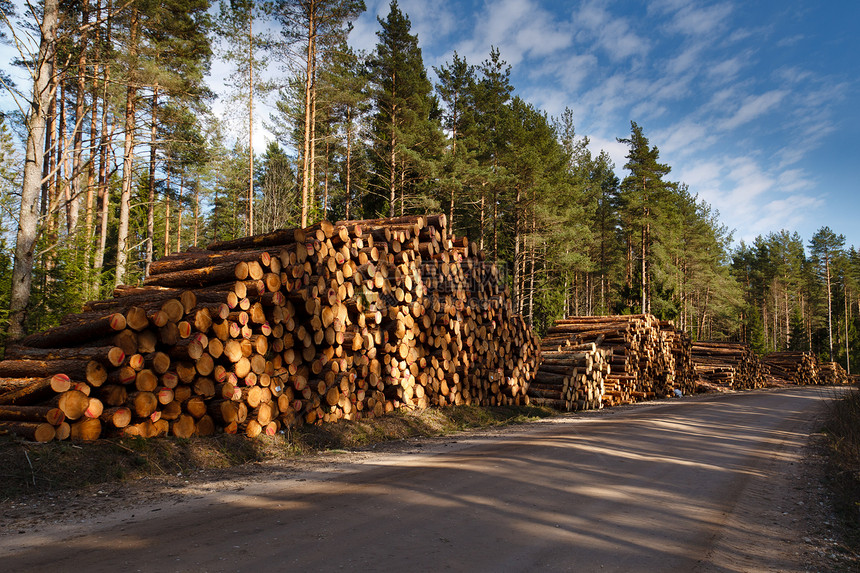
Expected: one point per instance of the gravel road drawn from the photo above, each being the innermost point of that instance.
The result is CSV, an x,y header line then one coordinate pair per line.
x,y
717,483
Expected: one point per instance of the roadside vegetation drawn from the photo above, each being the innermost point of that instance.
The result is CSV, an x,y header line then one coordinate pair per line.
x,y
842,431
28,467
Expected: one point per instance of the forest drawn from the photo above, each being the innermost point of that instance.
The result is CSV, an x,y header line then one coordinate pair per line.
x,y
112,157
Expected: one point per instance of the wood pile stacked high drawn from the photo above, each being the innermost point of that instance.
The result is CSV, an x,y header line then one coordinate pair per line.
x,y
793,367
641,357
335,321
832,374
728,365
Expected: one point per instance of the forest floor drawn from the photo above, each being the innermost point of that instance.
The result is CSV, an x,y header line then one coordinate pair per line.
x,y
43,485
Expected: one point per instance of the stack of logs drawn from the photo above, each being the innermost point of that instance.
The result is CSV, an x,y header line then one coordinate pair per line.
x,y
571,376
628,358
793,367
832,374
335,321
728,365
680,346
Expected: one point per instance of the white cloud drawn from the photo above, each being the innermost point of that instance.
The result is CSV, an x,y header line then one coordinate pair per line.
x,y
697,22
727,70
683,138
754,107
521,30
792,180
432,21
790,41
613,34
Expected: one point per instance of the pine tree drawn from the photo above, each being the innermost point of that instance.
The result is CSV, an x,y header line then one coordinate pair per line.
x,y
456,89
404,129
493,94
826,246
643,195
319,27
41,96
247,50
344,89
280,206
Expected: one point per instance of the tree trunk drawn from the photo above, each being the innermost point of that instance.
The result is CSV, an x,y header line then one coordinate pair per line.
x,y
348,161
517,291
196,212
179,215
104,141
306,155
847,350
325,180
313,159
393,158
167,214
28,218
128,164
829,305
77,161
483,222
250,126
150,207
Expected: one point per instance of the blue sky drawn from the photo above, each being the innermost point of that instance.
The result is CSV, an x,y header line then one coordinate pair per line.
x,y
752,104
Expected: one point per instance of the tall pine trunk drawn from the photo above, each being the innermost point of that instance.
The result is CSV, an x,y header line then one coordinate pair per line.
x,y
103,191
28,217
150,206
250,125
829,305
306,155
78,141
348,161
128,162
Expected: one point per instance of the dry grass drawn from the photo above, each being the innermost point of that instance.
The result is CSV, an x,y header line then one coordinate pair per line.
x,y
842,429
27,468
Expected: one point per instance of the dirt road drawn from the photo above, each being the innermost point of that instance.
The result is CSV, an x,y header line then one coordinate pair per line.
x,y
692,485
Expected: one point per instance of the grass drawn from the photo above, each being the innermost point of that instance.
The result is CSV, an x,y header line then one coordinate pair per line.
x,y
842,431
28,468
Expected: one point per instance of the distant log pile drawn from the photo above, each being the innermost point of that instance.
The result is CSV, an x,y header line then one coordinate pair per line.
x,y
335,321
793,367
727,365
680,347
832,374
638,359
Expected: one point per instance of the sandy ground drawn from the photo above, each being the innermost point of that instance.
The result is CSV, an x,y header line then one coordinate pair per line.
x,y
716,483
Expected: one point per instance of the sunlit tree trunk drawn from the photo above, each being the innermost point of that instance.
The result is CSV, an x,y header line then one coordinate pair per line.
x,y
28,217
128,163
150,206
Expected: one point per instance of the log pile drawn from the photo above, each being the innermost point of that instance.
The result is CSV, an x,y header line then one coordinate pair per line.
x,y
793,367
832,374
570,377
680,346
335,321
642,356
727,366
